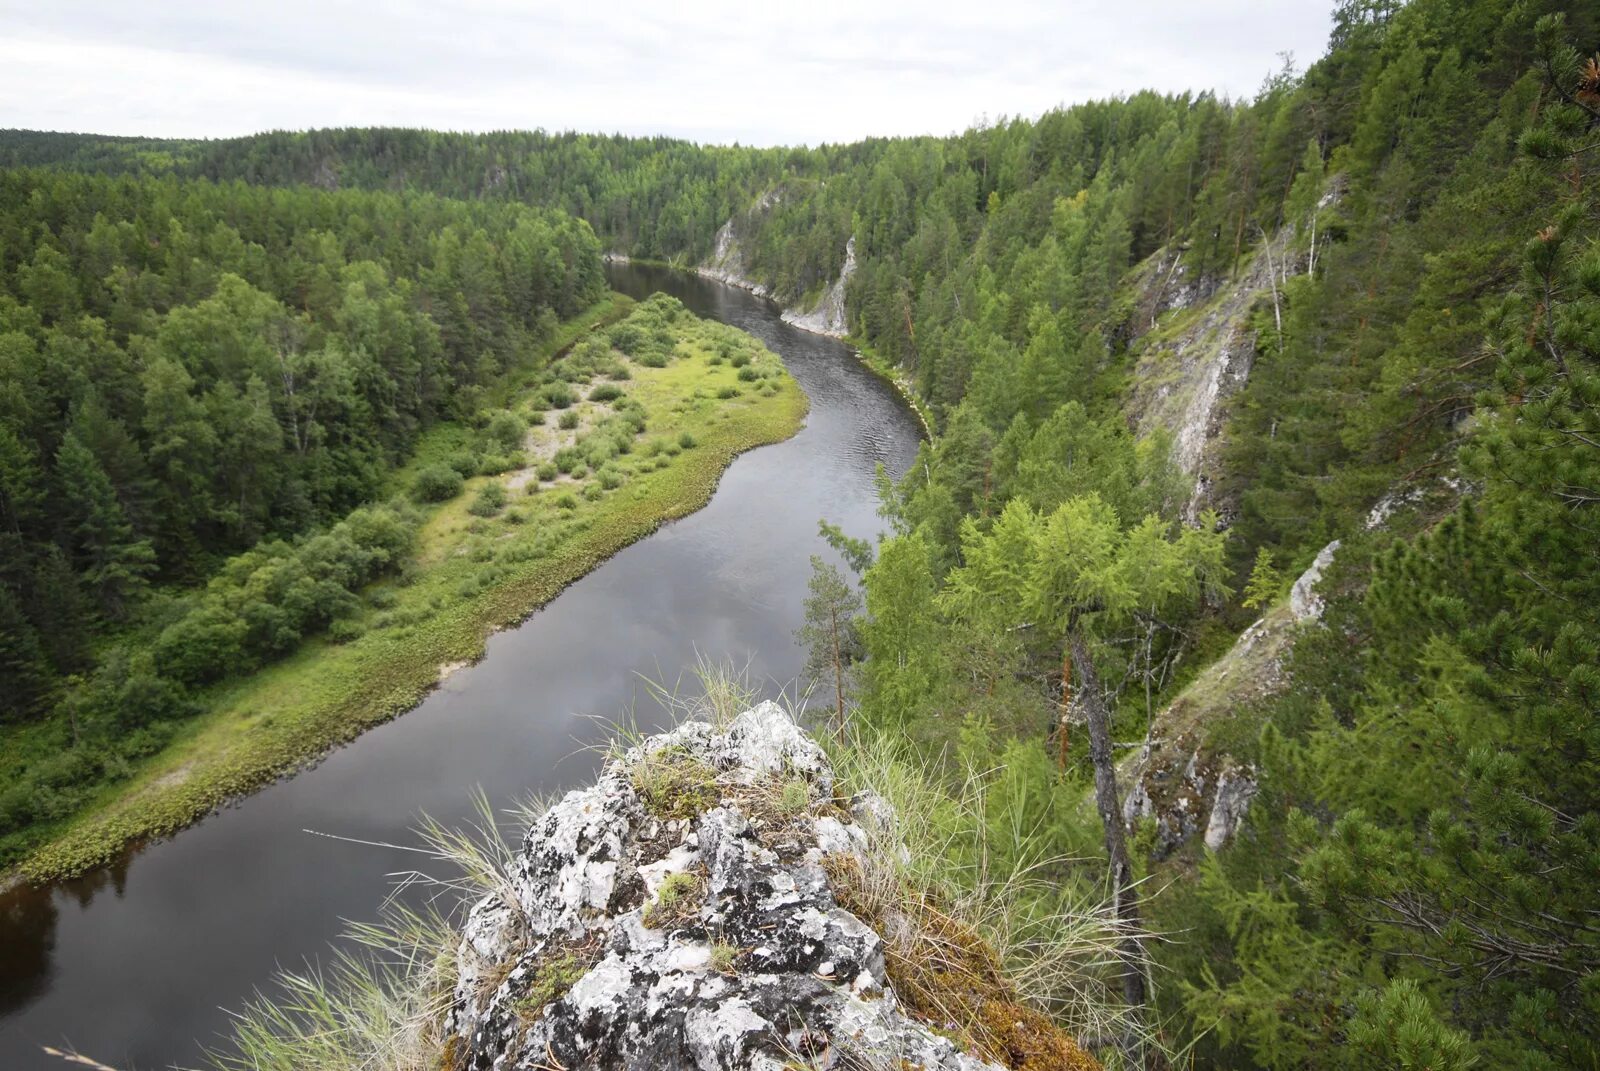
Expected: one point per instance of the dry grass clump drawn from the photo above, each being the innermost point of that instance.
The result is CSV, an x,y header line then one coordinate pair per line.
x,y
678,900
673,784
948,975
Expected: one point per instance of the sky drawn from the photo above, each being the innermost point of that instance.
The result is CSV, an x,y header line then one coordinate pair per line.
x,y
710,70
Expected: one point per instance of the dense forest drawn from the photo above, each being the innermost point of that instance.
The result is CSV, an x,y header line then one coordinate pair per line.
x,y
213,382
1414,883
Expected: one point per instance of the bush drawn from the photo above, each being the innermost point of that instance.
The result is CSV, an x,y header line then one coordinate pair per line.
x,y
495,464
611,478
436,483
345,629
535,417
687,441
749,375
605,392
592,492
560,396
739,360
464,462
548,471
569,461
569,420
653,359
506,429
627,337
566,500
491,499
727,392
620,372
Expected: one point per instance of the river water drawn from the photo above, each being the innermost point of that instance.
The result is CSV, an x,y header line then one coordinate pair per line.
x,y
138,964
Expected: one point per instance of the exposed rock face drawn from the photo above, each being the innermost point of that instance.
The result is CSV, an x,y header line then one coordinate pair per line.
x,y
695,928
726,263
1187,372
1175,779
1304,602
828,318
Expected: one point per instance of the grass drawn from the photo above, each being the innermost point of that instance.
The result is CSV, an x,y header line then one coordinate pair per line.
x,y
471,576
962,947
677,901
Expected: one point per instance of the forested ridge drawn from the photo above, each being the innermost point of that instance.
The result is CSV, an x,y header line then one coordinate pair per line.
x,y
1414,882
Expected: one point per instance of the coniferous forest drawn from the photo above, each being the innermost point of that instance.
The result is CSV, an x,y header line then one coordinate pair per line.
x,y
215,355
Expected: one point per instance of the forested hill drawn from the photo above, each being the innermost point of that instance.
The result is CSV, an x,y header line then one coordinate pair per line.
x,y
1380,277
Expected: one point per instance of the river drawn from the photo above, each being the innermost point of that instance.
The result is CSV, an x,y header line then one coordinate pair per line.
x,y
138,964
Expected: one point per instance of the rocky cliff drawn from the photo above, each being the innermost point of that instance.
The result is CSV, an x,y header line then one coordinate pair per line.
x,y
727,264
705,904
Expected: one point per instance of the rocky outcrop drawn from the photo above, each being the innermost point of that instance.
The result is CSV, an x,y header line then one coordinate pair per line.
x,y
828,317
1176,780
1190,366
680,914
726,264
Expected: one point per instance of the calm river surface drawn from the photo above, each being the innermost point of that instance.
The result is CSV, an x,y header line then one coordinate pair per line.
x,y
137,965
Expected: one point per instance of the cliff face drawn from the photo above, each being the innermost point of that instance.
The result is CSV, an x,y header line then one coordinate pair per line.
x,y
727,264
685,911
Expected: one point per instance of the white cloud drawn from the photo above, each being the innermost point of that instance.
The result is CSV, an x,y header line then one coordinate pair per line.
x,y
712,70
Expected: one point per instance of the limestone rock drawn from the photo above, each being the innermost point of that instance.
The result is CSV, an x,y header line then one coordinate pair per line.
x,y
632,939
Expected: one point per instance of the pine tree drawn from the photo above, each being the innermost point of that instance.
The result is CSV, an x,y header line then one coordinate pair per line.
x,y
112,560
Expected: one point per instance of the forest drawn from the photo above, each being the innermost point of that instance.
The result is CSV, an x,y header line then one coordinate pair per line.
x,y
1414,882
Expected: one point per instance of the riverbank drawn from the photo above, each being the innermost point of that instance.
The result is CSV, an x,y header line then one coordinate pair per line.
x,y
476,570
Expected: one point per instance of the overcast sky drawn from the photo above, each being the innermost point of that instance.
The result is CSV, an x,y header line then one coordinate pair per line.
x,y
759,73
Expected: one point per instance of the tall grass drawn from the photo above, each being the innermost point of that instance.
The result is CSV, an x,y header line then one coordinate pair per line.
x,y
966,927
1053,942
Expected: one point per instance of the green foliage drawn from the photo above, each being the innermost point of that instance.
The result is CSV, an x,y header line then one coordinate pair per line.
x,y
490,500
1265,584
437,483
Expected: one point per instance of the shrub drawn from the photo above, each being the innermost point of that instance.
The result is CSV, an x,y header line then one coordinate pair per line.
x,y
436,483
560,396
653,359
605,392
491,499
506,429
727,392
569,420
465,462
621,372
749,375
569,461
592,492
611,478
495,464
567,500
535,417
687,441
739,360
346,629
627,337
548,471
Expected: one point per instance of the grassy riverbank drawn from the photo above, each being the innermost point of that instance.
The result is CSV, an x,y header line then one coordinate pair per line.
x,y
502,547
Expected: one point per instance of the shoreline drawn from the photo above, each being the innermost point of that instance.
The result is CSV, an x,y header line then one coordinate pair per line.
x,y
376,686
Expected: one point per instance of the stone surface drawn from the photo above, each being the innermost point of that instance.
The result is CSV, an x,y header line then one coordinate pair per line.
x,y
583,963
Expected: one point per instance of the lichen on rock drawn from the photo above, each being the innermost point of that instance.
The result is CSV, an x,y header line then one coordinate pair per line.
x,y
711,940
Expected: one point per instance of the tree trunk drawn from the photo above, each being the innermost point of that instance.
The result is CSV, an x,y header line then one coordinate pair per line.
x,y
1135,968
1063,743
